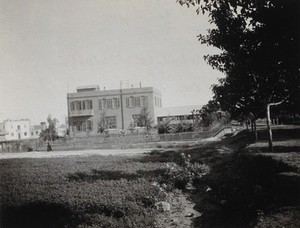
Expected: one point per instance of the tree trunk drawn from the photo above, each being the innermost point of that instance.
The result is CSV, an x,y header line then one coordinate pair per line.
x,y
255,131
269,128
269,124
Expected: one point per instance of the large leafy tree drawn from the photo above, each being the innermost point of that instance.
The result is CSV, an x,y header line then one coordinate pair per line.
x,y
259,53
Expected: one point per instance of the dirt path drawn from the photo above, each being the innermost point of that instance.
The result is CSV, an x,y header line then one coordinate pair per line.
x,y
53,154
181,213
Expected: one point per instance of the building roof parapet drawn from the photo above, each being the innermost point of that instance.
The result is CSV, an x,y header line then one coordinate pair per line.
x,y
113,92
9,120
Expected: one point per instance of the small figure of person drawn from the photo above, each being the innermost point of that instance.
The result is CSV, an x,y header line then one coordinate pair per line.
x,y
49,148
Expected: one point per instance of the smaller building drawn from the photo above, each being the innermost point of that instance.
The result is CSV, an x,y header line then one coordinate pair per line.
x,y
178,113
36,130
16,129
61,130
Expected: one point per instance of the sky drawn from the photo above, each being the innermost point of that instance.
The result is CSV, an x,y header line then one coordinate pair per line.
x,y
48,48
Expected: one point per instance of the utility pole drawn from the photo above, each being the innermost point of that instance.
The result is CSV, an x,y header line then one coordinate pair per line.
x,y
68,103
121,100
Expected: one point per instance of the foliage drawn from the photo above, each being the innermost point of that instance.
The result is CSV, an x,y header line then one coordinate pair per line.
x,y
50,133
102,125
181,170
131,128
163,126
208,113
168,127
259,53
144,120
78,192
183,176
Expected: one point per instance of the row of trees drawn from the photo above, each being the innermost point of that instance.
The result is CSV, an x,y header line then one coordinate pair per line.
x,y
259,55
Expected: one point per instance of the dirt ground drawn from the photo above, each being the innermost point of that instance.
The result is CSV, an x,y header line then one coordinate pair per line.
x,y
52,154
181,212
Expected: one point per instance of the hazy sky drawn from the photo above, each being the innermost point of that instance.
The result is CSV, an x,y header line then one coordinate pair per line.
x,y
49,47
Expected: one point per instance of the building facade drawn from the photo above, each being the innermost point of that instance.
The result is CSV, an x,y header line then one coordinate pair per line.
x,y
16,129
91,109
35,130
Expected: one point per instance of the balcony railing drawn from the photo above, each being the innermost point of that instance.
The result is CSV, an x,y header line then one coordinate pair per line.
x,y
81,113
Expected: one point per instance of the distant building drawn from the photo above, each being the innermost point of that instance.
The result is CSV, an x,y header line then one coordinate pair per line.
x,y
61,130
90,108
2,136
177,114
36,130
16,129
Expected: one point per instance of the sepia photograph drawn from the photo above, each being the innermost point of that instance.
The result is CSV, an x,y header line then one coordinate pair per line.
x,y
150,113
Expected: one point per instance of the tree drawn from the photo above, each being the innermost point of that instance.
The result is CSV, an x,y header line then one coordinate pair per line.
x,y
49,134
259,54
208,113
102,124
144,120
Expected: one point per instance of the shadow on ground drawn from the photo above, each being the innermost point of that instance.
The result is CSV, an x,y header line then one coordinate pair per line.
x,y
241,186
36,215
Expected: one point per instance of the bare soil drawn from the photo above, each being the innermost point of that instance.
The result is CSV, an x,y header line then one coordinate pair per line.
x,y
181,214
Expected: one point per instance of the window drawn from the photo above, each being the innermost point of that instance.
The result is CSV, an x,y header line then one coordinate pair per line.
x,y
89,125
83,105
25,133
19,127
11,126
109,104
31,133
104,103
111,122
116,103
72,106
78,105
131,104
89,104
36,132
83,126
137,101
144,102
12,134
78,126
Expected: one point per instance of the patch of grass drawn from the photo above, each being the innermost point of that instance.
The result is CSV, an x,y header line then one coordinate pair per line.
x,y
101,175
238,187
280,134
279,149
163,157
78,192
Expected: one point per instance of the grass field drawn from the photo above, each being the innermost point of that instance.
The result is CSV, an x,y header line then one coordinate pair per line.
x,y
234,186
75,191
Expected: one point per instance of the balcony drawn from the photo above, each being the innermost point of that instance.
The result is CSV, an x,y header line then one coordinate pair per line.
x,y
78,113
